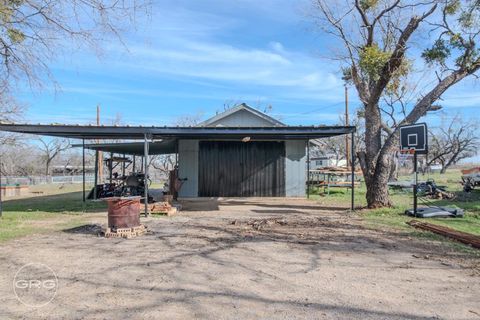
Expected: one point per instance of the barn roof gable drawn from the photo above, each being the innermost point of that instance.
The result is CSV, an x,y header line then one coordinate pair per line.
x,y
238,109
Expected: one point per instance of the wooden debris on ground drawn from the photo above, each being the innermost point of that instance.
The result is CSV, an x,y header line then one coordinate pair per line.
x,y
163,208
463,237
125,232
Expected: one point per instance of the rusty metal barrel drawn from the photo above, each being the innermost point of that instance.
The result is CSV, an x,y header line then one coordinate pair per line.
x,y
123,212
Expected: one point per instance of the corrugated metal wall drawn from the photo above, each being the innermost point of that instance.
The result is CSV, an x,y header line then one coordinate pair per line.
x,y
239,169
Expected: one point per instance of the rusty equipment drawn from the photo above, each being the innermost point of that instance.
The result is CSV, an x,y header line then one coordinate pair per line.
x,y
462,237
123,212
430,189
470,179
124,217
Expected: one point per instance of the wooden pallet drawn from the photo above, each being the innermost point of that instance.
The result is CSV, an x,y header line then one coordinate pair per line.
x,y
164,208
125,232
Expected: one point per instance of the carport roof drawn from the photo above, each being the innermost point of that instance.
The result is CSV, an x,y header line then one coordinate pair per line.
x,y
134,148
195,133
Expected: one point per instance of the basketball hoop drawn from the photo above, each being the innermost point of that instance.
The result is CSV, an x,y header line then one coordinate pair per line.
x,y
407,151
414,141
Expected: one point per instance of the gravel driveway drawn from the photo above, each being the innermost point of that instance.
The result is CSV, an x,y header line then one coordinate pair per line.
x,y
245,259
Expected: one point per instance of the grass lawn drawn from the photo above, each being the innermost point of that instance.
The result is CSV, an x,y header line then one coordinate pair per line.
x,y
394,217
56,207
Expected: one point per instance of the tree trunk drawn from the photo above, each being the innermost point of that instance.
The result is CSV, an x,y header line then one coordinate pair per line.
x,y
376,165
47,167
377,187
393,175
377,194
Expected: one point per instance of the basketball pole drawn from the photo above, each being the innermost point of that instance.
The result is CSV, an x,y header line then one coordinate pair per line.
x,y
415,182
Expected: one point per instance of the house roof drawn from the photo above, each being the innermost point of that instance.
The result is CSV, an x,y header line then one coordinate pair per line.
x,y
239,108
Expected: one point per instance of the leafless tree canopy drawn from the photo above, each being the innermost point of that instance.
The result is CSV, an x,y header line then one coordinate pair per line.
x,y
51,148
452,141
336,146
401,56
33,32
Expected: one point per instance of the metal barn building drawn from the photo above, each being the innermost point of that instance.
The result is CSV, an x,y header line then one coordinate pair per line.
x,y
241,152
215,168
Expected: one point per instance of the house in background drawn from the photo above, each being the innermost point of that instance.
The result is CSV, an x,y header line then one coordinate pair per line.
x,y
226,168
321,162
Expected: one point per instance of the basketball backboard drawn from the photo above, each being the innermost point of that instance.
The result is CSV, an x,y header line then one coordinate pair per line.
x,y
414,137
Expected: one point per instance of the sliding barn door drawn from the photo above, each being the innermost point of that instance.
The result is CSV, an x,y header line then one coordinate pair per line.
x,y
241,169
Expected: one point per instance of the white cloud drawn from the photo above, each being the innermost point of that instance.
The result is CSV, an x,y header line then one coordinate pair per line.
x,y
222,62
198,46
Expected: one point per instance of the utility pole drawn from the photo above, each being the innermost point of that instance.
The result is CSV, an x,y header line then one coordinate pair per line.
x,y
347,149
100,153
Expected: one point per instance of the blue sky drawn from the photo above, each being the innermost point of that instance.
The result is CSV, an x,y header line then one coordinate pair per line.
x,y
191,57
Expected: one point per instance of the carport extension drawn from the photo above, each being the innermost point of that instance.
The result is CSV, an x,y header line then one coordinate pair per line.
x,y
150,134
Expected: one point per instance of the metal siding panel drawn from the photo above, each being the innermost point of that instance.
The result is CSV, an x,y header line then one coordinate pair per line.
x,y
295,168
188,167
231,168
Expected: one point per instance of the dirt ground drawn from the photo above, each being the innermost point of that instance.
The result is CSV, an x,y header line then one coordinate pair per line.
x,y
246,259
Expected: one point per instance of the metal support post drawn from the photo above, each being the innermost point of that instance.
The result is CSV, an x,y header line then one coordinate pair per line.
x,y
1,200
95,180
110,167
83,173
415,182
352,154
145,157
308,169
123,165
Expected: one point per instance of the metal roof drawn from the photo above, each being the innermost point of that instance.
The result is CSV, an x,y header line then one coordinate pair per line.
x,y
195,133
238,108
134,148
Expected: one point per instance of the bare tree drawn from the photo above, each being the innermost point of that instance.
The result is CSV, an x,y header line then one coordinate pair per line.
x,y
10,111
380,41
166,162
163,163
50,148
29,165
453,141
336,145
33,32
189,120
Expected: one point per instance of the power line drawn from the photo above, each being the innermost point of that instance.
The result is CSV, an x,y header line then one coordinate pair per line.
x,y
315,110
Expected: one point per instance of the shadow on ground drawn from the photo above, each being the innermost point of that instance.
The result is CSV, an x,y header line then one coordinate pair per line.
x,y
88,229
213,204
